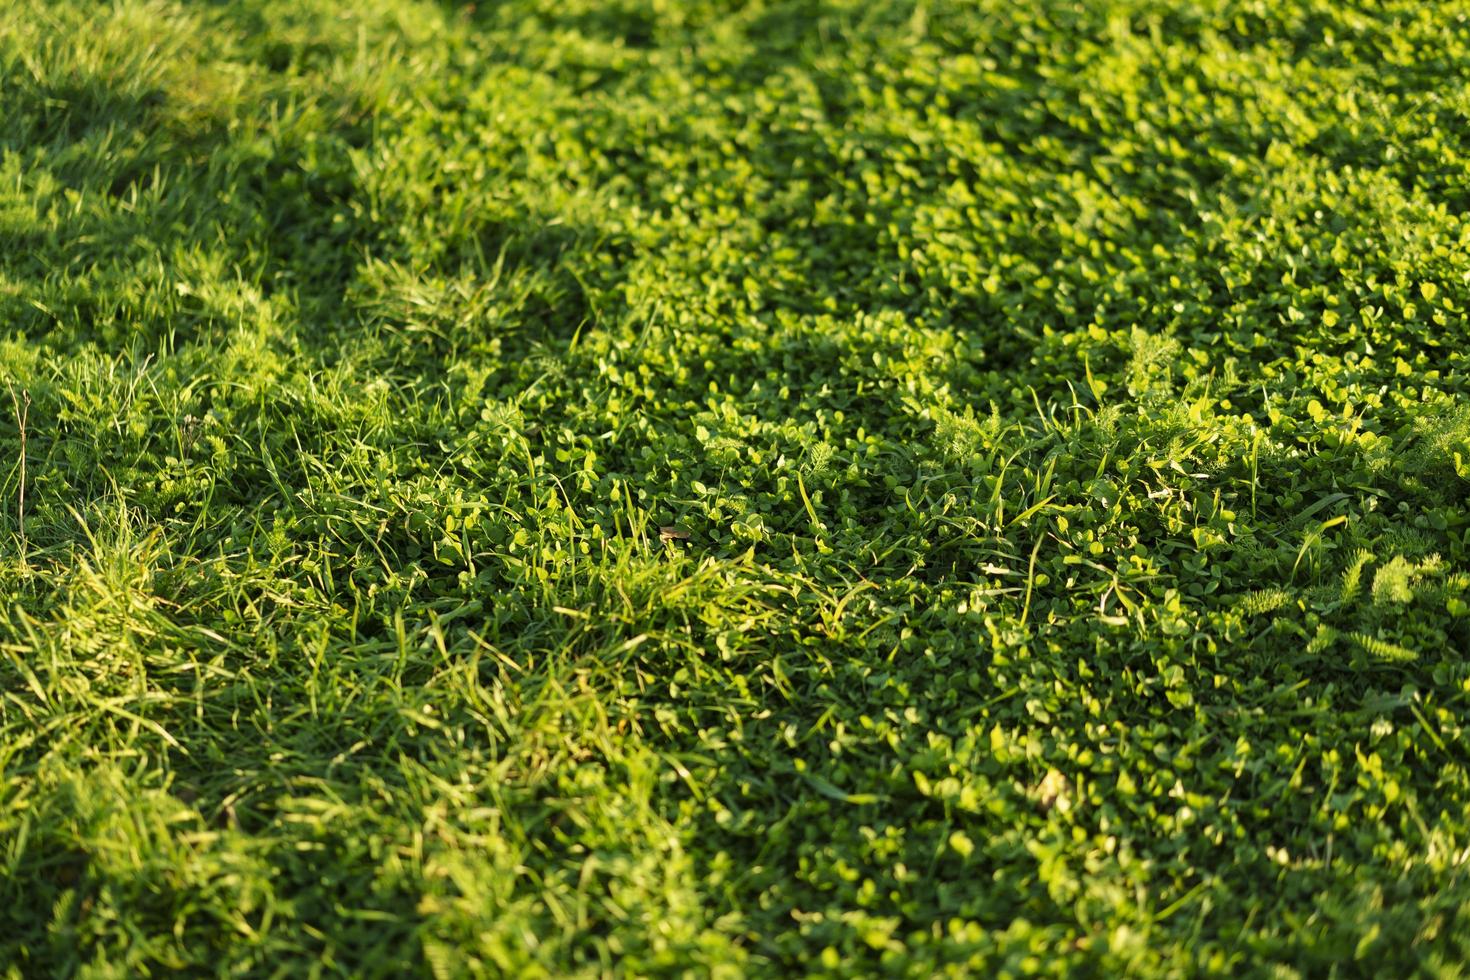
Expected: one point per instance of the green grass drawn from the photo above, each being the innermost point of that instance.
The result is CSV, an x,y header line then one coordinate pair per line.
x,y
653,486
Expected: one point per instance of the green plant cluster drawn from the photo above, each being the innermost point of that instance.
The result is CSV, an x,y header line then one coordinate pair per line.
x,y
575,487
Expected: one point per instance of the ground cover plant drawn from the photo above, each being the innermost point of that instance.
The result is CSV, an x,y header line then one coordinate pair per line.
x,y
590,486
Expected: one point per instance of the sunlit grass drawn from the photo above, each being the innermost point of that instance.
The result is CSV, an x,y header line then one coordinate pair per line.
x,y
725,488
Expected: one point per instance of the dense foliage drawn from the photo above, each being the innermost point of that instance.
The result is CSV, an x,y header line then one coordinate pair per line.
x,y
574,486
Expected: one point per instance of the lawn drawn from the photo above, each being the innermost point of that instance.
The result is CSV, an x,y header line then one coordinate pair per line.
x,y
585,487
